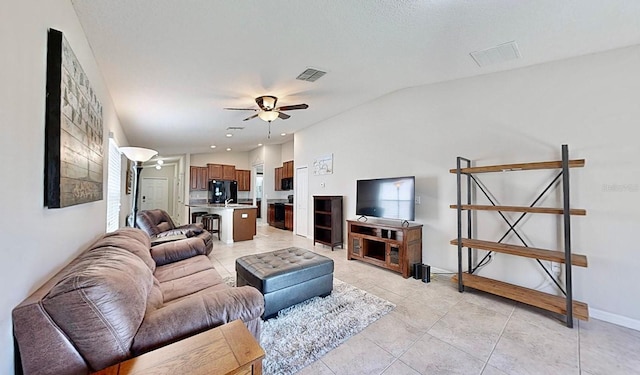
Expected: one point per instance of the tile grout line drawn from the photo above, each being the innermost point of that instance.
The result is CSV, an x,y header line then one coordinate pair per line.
x,y
498,340
426,332
579,351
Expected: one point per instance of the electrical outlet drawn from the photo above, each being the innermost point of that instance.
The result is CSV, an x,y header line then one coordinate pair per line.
x,y
417,199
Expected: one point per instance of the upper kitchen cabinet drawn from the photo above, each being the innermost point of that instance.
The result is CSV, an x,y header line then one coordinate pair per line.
x,y
215,171
284,176
287,169
228,172
244,179
278,178
221,172
198,178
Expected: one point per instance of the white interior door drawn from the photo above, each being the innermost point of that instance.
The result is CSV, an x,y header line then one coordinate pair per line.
x,y
302,201
154,193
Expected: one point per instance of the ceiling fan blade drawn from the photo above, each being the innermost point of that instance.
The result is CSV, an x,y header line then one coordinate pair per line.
x,y
283,116
292,107
241,109
250,117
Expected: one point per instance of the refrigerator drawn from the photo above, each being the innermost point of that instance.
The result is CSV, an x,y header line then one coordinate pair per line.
x,y
222,190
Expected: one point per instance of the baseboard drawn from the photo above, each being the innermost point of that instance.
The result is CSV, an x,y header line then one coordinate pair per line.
x,y
614,318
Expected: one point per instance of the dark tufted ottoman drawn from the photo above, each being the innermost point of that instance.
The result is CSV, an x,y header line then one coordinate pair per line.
x,y
286,277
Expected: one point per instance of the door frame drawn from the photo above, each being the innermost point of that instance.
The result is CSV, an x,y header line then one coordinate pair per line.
x,y
299,190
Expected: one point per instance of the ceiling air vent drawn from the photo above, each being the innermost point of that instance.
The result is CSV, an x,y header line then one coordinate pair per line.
x,y
310,75
498,54
235,128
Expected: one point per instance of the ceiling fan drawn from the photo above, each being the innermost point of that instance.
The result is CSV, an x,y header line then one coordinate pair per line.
x,y
268,110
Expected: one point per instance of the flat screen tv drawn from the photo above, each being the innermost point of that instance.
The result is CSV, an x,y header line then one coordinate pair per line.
x,y
389,198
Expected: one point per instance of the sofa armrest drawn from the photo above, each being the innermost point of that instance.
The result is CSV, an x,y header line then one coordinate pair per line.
x,y
174,251
189,316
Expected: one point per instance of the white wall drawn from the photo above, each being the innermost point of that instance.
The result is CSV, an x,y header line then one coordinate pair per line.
x,y
589,103
37,241
287,151
239,159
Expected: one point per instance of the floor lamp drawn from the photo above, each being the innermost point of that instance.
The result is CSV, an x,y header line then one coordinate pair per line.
x,y
138,156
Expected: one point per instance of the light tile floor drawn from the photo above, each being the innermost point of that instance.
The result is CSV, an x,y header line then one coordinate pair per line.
x,y
436,330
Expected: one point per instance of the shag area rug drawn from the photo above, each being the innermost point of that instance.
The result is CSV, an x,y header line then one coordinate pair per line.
x,y
302,333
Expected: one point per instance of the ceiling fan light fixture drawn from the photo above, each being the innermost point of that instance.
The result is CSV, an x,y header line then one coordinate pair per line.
x,y
268,102
268,116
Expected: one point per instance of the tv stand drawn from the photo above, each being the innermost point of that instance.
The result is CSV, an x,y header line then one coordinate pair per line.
x,y
391,246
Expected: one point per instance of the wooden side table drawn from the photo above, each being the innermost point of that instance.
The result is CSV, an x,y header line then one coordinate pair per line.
x,y
228,349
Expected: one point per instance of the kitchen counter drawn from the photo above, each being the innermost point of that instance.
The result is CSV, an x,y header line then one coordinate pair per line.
x,y
227,214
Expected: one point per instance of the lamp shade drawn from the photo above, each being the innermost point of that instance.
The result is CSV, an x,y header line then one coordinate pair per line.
x,y
268,115
138,153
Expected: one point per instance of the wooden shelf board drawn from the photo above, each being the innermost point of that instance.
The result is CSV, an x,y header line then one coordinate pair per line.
x,y
531,297
529,252
520,166
537,210
322,227
322,212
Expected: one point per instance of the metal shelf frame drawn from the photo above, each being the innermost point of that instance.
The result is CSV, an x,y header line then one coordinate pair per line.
x,y
472,182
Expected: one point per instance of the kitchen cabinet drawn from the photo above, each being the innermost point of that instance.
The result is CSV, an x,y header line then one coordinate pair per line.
x,y
278,179
271,214
288,217
215,171
287,169
244,179
198,178
228,172
221,172
244,224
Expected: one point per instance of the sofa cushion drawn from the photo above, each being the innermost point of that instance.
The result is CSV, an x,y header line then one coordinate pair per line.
x,y
100,302
186,267
133,240
197,313
189,284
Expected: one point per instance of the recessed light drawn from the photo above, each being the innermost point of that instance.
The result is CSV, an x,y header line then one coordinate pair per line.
x,y
158,167
160,162
259,144
283,134
228,148
213,146
229,135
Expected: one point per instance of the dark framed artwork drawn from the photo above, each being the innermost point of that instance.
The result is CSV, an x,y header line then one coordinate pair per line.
x,y
73,130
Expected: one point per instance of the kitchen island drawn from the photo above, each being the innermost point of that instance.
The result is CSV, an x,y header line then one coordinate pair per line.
x,y
237,223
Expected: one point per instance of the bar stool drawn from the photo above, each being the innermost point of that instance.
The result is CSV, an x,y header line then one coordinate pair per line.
x,y
196,215
207,221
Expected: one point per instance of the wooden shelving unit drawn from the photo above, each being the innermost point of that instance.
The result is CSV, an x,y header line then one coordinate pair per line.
x,y
327,220
563,304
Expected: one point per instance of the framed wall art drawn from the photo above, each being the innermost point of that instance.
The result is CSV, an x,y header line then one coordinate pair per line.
x,y
323,165
73,130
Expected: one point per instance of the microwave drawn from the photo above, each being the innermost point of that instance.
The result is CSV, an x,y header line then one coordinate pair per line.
x,y
287,183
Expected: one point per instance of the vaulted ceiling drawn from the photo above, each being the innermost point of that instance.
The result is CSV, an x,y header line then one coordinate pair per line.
x,y
172,66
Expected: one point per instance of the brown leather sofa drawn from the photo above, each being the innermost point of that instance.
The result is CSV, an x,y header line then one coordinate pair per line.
x,y
157,223
121,298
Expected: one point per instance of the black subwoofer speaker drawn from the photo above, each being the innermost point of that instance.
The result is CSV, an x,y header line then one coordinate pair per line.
x,y
417,270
